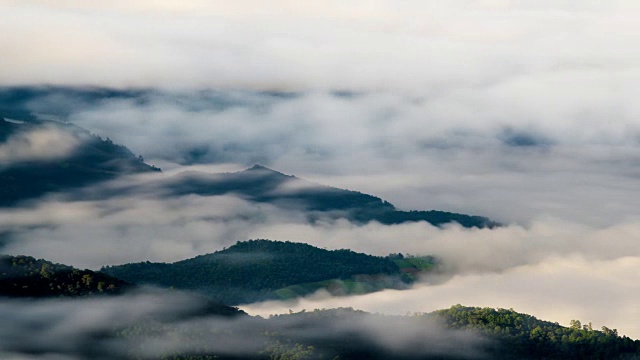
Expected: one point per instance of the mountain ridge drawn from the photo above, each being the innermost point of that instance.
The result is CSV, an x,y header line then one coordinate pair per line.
x,y
262,184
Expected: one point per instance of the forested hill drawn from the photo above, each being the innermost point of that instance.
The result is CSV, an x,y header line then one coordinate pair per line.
x,y
91,160
262,184
522,336
262,269
25,276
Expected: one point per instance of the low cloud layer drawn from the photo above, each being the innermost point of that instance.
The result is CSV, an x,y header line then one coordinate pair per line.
x,y
95,233
558,289
579,269
152,324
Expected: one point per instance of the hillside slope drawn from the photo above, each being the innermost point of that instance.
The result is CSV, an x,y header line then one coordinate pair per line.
x,y
258,270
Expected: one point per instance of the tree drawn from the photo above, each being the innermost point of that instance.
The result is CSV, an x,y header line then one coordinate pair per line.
x,y
575,324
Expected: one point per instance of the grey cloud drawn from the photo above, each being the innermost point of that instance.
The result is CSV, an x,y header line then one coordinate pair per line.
x,y
79,329
37,145
110,327
132,229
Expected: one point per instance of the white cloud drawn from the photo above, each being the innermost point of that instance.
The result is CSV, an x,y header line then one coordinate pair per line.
x,y
513,164
37,145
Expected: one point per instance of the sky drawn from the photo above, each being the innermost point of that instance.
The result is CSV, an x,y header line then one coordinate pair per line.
x,y
523,111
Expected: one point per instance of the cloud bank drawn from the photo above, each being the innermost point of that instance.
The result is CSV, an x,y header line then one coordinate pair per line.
x,y
580,269
510,163
152,324
557,289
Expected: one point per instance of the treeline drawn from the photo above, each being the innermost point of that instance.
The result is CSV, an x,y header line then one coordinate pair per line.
x,y
25,276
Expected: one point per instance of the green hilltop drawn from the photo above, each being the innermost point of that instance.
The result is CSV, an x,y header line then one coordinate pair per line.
x,y
258,270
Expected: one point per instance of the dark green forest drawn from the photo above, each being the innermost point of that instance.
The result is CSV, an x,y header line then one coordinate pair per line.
x,y
256,270
524,336
25,276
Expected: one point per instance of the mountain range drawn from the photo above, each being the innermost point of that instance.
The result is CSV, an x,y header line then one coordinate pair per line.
x,y
94,161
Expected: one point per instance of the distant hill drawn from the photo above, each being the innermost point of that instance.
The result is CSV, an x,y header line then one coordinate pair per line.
x,y
262,184
258,270
25,276
93,160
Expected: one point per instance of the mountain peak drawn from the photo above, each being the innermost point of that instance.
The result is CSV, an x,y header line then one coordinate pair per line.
x,y
258,167
264,170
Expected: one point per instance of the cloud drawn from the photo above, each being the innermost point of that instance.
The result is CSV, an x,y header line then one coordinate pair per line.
x,y
40,144
151,324
468,250
96,233
154,227
581,269
557,289
414,47
77,329
512,164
